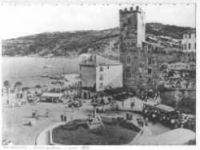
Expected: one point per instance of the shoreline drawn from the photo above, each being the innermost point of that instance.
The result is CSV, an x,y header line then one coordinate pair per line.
x,y
36,56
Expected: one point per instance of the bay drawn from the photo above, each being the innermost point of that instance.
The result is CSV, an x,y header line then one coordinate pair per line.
x,y
29,70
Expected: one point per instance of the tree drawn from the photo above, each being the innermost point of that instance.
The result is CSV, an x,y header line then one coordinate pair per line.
x,y
163,67
38,86
17,85
102,102
7,86
17,88
38,90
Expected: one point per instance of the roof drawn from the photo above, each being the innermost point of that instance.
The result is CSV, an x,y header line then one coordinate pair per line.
x,y
97,60
189,31
154,44
105,61
174,137
165,107
55,95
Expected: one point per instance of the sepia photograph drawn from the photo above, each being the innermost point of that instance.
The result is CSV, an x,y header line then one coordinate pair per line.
x,y
98,74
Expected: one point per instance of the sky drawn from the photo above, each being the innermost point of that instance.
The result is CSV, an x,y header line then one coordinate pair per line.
x,y
26,20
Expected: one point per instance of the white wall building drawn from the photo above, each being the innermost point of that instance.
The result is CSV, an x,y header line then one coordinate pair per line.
x,y
181,66
99,73
189,41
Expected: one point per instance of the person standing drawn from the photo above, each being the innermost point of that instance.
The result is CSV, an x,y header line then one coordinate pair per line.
x,y
65,119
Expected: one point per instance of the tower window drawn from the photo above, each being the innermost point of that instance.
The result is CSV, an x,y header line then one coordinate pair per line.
x,y
128,60
149,61
149,71
129,21
101,85
128,72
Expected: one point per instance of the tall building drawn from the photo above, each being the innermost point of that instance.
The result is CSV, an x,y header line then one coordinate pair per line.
x,y
132,36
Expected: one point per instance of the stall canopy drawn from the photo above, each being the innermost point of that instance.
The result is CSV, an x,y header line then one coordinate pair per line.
x,y
52,96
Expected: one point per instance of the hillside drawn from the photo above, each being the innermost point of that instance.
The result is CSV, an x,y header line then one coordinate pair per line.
x,y
104,42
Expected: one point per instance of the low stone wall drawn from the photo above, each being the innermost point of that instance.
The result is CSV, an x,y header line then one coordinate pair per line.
x,y
42,134
51,137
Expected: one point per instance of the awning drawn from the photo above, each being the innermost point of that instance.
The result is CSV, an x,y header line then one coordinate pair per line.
x,y
52,95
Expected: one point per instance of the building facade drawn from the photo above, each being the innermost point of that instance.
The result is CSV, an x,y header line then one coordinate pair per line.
x,y
108,76
98,73
189,41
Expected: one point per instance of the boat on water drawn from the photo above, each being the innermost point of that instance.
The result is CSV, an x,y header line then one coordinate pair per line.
x,y
55,77
44,76
47,66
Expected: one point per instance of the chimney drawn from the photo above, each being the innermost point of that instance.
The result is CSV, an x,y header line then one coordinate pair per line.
x,y
137,8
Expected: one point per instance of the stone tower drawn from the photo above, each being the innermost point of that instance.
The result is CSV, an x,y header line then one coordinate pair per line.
x,y
132,26
132,36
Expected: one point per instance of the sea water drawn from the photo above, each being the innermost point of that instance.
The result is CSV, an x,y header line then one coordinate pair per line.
x,y
29,70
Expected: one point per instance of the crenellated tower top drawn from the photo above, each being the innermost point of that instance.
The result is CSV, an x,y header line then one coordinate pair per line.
x,y
131,10
132,26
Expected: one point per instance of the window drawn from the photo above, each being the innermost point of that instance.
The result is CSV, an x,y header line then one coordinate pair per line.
x,y
124,25
101,77
101,68
145,47
128,59
156,49
149,61
107,67
189,36
101,85
185,46
128,72
90,58
149,71
189,46
149,47
129,21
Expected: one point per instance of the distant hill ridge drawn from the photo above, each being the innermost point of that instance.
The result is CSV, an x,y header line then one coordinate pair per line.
x,y
69,44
